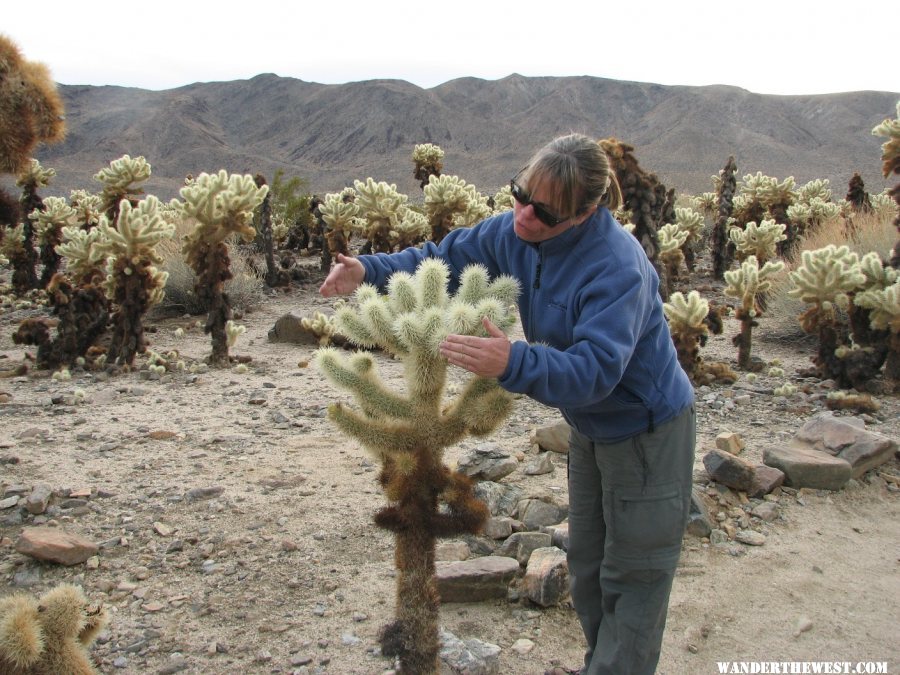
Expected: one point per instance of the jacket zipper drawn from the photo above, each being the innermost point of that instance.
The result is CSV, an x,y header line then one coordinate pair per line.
x,y
540,264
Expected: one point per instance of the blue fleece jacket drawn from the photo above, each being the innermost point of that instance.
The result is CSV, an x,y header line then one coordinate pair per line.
x,y
599,347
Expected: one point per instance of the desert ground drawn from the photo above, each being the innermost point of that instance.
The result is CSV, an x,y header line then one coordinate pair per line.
x,y
235,522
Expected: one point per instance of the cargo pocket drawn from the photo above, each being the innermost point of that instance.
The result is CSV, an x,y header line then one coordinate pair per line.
x,y
647,524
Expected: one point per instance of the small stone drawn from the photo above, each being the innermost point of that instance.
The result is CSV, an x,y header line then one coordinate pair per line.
x,y
263,656
55,545
163,530
730,442
540,465
804,624
750,537
522,646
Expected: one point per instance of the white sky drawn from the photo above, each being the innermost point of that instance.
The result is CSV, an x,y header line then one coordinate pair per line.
x,y
766,46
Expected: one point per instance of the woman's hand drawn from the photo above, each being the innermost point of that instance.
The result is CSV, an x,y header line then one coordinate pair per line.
x,y
344,278
484,356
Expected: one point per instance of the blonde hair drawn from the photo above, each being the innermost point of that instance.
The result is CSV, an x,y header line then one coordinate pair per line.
x,y
577,172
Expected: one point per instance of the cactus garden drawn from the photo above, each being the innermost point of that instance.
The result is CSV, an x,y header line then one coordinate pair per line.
x,y
256,479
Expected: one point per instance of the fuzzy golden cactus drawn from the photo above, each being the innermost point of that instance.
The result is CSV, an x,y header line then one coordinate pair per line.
x,y
48,224
671,239
407,432
429,161
503,199
760,241
381,207
890,163
824,280
686,316
447,199
340,213
218,206
14,250
30,179
88,208
725,192
120,181
31,110
884,310
133,283
51,634
746,284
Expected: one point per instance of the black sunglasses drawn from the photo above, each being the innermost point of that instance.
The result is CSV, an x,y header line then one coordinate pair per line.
x,y
540,211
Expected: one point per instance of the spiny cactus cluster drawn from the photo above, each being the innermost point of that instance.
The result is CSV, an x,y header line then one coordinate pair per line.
x,y
121,181
890,164
407,432
450,202
217,206
31,110
746,284
429,161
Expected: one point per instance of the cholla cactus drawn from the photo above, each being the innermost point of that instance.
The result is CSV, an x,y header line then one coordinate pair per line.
x,y
884,307
706,203
429,161
88,208
824,280
760,241
382,207
120,181
687,324
13,248
671,239
745,284
48,223
503,199
446,199
32,177
220,206
651,205
340,213
133,282
411,229
78,301
726,192
321,326
408,432
690,221
31,110
890,163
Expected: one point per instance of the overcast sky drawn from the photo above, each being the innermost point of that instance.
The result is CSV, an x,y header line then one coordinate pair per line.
x,y
766,46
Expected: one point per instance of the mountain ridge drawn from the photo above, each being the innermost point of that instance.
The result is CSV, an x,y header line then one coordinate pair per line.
x,y
331,134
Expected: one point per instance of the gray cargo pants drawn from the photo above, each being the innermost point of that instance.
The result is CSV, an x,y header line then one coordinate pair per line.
x,y
628,505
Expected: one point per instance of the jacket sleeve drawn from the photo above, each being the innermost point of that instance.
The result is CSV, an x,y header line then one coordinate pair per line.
x,y
459,248
611,316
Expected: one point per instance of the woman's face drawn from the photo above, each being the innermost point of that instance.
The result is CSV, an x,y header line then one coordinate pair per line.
x,y
529,228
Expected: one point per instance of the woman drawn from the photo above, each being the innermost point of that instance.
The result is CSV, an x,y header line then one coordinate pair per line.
x,y
599,349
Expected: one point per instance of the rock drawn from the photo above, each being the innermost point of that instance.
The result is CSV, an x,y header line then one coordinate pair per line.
x,y
766,511
553,438
546,581
38,499
806,467
163,530
750,537
9,502
452,550
497,527
540,465
730,442
487,462
203,493
847,438
699,523
729,470
559,535
522,646
55,545
535,513
469,657
765,479
521,544
288,328
501,498
476,579
804,624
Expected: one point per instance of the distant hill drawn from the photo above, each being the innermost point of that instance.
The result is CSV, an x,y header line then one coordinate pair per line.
x,y
332,134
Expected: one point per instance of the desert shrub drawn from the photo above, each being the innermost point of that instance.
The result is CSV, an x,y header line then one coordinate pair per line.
x,y
873,232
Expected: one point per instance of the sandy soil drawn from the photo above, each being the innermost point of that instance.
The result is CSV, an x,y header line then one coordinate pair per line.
x,y
284,572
